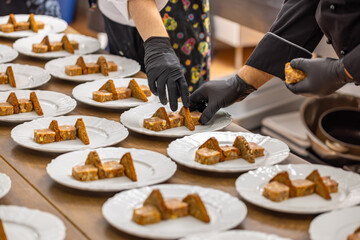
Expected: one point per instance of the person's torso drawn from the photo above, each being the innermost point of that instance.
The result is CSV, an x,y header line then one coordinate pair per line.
x,y
340,22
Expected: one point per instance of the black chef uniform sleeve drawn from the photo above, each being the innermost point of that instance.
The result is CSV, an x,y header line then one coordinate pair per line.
x,y
351,63
294,34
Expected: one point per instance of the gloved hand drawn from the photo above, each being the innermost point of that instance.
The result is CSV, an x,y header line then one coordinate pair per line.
x,y
323,76
213,95
163,70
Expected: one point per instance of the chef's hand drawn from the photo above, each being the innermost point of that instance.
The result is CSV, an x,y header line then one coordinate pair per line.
x,y
213,95
163,70
323,76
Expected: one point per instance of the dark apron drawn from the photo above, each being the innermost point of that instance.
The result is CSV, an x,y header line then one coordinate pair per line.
x,y
188,25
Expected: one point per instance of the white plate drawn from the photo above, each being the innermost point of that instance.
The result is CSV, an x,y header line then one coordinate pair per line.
x,y
183,151
336,224
86,45
126,67
234,235
31,224
83,93
52,103
26,76
7,54
250,187
151,168
133,119
225,212
102,133
52,25
5,184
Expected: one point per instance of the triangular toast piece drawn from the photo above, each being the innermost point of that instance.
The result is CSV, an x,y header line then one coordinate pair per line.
x,y
245,150
46,41
103,66
33,24
81,131
12,19
10,74
12,99
320,187
67,45
55,127
197,208
156,200
81,63
136,91
212,143
35,101
188,122
110,87
93,159
161,113
2,231
128,164
283,177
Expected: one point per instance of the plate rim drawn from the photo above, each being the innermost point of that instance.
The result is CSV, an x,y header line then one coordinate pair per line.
x,y
55,219
48,76
10,49
158,180
72,102
124,129
71,79
8,183
161,133
205,167
47,57
63,23
279,208
242,205
313,228
82,85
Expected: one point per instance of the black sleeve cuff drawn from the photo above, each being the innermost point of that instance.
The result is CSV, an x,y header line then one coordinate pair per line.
x,y
351,64
273,52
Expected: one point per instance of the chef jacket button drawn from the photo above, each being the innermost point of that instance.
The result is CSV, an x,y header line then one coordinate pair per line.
x,y
332,7
328,41
342,52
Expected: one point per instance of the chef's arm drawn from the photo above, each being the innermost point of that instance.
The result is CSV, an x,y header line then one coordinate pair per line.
x,y
351,64
294,34
147,18
164,72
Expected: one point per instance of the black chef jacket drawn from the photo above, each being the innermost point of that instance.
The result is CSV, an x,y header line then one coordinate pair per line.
x,y
299,28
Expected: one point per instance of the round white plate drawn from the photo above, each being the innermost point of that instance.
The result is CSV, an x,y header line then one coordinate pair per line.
x,y
183,151
83,93
234,235
101,132
250,187
7,54
225,212
31,224
52,103
126,67
86,45
26,76
336,224
133,119
151,168
5,184
52,25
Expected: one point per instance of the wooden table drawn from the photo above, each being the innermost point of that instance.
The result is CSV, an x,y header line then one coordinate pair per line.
x,y
81,211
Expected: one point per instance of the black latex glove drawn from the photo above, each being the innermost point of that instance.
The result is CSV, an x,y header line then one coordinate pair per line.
x,y
213,95
163,70
323,76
